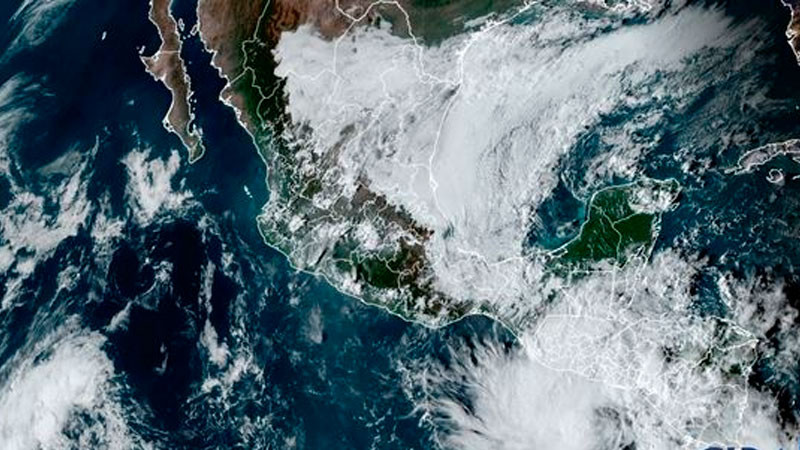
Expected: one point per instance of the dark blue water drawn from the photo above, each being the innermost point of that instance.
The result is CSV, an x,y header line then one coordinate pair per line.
x,y
322,367
754,213
740,225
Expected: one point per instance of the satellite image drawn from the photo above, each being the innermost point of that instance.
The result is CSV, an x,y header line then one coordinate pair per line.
x,y
400,224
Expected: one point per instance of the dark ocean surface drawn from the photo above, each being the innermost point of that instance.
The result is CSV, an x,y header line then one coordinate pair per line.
x,y
296,364
318,368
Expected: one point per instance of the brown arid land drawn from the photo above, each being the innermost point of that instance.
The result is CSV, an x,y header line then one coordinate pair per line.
x,y
167,67
793,30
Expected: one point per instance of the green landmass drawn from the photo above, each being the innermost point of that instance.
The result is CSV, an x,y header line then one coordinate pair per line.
x,y
622,223
307,219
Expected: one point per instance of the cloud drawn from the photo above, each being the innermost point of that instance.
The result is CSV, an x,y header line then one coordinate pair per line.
x,y
64,376
467,136
33,22
620,359
149,189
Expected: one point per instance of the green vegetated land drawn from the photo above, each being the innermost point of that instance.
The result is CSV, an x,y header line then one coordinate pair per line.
x,y
622,222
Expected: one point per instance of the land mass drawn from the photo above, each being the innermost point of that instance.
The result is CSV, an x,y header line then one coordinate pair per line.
x,y
793,29
350,233
167,66
621,225
395,273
